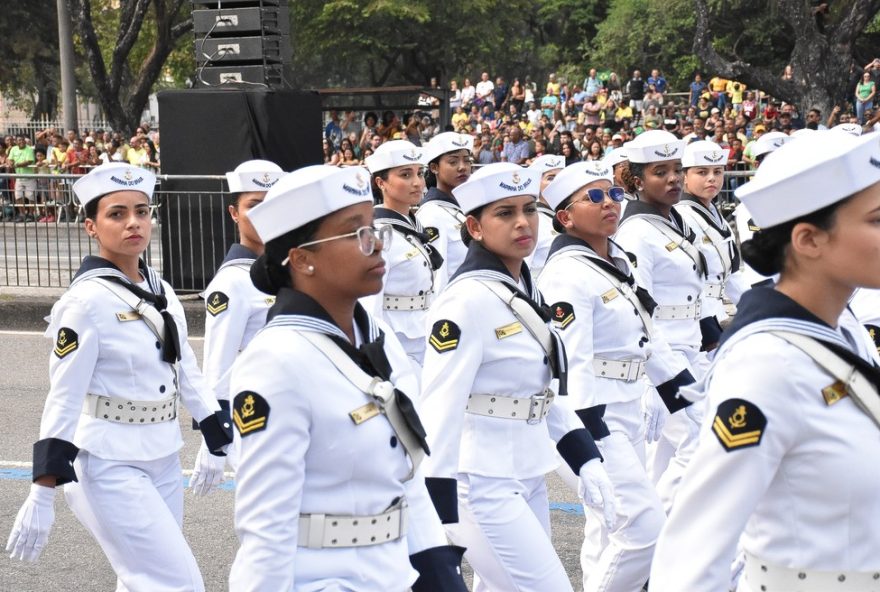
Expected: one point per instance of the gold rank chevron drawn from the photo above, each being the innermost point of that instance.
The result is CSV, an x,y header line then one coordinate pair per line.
x,y
734,441
443,345
217,309
63,351
247,426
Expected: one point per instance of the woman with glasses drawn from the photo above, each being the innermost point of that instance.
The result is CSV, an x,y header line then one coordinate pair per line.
x,y
411,262
703,163
234,309
604,318
672,268
449,159
329,495
490,411
786,467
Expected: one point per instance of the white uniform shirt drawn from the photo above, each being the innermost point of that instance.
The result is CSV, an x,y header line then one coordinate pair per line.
x,y
118,358
309,457
802,490
235,311
595,319
670,276
441,217
698,217
546,234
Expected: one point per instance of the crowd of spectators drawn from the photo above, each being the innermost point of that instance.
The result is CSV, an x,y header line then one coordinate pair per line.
x,y
48,152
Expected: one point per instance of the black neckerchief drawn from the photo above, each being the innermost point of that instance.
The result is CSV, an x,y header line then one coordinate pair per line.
x,y
435,194
94,266
370,356
238,251
760,304
723,229
568,242
409,226
674,221
546,210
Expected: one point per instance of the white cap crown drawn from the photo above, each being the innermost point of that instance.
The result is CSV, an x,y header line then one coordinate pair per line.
x,y
769,142
704,153
446,142
575,177
497,181
112,177
254,175
393,154
615,157
654,146
548,162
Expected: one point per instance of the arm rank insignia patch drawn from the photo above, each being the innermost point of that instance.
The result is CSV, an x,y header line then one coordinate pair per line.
x,y
444,336
432,232
250,412
738,424
216,303
563,314
874,332
66,343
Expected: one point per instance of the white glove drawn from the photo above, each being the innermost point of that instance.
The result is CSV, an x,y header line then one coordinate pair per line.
x,y
598,491
32,524
655,415
207,472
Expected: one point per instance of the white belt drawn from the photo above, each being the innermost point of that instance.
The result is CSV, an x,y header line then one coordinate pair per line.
x,y
419,302
119,410
319,531
675,312
715,290
530,409
626,370
763,576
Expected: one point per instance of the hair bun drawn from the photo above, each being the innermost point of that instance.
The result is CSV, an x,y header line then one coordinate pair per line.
x,y
268,277
763,254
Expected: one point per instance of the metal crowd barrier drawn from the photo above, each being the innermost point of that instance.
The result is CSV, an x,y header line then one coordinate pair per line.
x,y
43,242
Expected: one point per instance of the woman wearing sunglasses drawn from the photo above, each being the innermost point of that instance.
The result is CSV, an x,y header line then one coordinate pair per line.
x,y
786,468
330,442
449,159
672,268
491,414
549,166
411,262
604,318
703,163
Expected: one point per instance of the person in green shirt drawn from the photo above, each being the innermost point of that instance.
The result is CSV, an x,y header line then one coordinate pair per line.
x,y
865,92
22,157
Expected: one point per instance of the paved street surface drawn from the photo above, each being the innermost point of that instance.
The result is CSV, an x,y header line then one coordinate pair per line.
x,y
73,561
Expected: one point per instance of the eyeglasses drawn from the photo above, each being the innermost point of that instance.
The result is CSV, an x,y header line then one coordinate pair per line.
x,y
597,196
367,237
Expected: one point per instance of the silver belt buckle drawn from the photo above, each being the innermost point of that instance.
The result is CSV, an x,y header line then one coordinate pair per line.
x,y
536,408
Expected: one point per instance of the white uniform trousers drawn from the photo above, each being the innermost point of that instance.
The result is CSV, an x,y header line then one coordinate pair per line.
x,y
668,457
505,526
620,560
134,509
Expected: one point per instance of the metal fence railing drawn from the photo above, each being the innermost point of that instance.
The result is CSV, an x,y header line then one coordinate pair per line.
x,y
43,241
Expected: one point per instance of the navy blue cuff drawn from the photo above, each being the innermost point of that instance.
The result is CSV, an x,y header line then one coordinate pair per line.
x,y
444,494
710,329
224,406
53,456
217,431
576,448
593,421
439,569
669,391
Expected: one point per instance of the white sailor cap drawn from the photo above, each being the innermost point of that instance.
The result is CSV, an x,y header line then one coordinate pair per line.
x,y
548,162
850,128
704,153
112,177
768,143
654,146
804,131
254,175
393,154
446,142
807,175
574,177
307,194
615,157
497,181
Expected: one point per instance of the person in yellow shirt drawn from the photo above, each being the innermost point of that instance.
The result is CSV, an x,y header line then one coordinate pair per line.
x,y
718,86
459,119
736,90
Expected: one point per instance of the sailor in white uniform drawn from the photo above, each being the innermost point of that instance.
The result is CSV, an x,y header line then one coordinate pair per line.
x,y
329,495
119,370
449,159
618,161
672,268
703,163
234,309
604,318
490,412
549,166
411,262
787,459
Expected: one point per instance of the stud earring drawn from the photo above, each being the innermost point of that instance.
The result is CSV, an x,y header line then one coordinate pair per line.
x,y
311,268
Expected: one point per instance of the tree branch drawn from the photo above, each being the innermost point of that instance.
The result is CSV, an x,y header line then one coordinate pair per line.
x,y
854,23
131,20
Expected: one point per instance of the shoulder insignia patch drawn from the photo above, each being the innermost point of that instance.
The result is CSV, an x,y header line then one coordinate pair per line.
x,y
874,332
432,232
752,226
738,424
216,303
250,412
444,336
563,314
834,392
633,260
66,343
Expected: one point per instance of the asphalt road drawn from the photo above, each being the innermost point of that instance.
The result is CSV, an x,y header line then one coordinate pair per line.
x,y
72,560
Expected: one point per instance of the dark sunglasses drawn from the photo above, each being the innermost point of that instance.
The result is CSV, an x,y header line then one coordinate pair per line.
x,y
597,196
